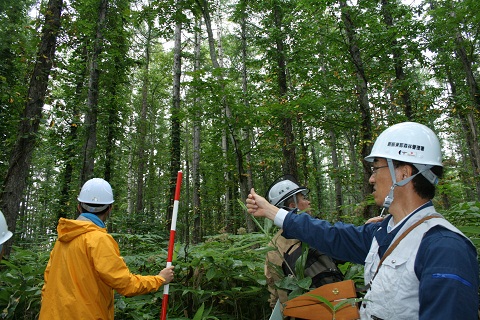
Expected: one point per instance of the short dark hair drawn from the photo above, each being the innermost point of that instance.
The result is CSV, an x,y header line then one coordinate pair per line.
x,y
421,185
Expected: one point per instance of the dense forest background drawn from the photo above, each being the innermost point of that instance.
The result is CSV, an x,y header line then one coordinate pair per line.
x,y
234,94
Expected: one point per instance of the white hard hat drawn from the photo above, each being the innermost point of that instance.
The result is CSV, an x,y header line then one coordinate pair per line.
x,y
283,188
408,142
96,191
4,233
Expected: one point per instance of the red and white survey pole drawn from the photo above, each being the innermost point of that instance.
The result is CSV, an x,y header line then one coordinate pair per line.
x,y
171,243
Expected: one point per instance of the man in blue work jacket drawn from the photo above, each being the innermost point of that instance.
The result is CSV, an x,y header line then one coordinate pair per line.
x,y
432,273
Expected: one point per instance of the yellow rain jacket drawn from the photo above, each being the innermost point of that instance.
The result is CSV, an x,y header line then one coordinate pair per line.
x,y
84,267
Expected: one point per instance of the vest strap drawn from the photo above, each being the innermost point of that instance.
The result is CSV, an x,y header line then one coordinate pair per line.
x,y
397,241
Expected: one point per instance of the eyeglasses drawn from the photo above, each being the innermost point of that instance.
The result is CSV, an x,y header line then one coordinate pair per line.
x,y
374,169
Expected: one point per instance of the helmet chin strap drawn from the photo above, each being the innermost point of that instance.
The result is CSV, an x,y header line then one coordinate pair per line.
x,y
422,168
295,200
284,206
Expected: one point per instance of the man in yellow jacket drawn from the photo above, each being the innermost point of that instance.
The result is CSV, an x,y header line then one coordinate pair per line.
x,y
85,265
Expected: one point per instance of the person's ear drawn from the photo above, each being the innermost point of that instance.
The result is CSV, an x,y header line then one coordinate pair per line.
x,y
406,171
291,205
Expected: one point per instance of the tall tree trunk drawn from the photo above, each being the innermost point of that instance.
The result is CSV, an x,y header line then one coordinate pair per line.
x,y
244,176
362,95
113,119
398,61
288,145
196,234
70,151
317,177
131,175
336,177
304,152
229,223
175,112
472,127
142,125
357,176
19,165
121,66
247,134
92,100
204,7
464,122
469,73
188,187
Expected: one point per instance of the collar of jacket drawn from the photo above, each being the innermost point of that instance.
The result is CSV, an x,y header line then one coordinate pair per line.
x,y
94,218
